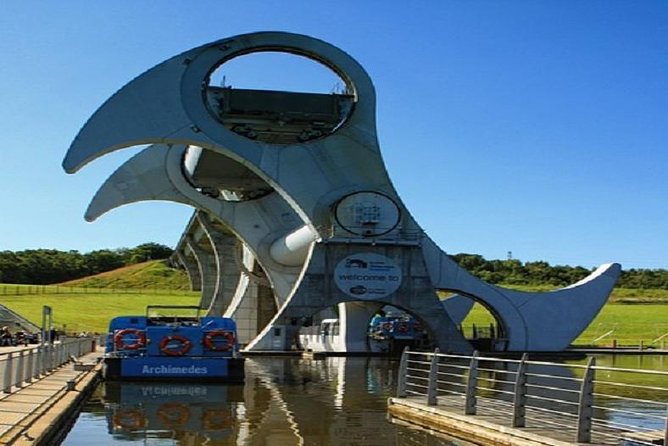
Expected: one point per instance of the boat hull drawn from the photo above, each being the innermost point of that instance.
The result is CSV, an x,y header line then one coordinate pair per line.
x,y
200,369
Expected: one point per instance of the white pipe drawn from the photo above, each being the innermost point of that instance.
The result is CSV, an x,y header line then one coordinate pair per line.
x,y
602,336
291,250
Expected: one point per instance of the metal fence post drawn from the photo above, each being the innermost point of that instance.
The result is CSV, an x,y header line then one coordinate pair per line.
x,y
61,356
520,398
8,373
432,388
471,384
30,367
586,402
48,358
665,430
403,374
37,371
42,363
19,370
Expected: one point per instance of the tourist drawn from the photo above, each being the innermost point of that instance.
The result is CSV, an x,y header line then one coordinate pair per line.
x,y
5,337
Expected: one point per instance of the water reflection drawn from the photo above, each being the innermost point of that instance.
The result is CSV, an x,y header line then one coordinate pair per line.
x,y
285,401
193,414
334,401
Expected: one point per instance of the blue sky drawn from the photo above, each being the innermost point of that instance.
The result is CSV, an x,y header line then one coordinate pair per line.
x,y
538,128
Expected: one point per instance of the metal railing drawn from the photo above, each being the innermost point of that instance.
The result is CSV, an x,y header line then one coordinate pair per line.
x,y
611,403
21,367
32,290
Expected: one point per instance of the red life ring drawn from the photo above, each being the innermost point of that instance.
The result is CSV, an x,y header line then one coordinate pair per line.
x,y
129,419
402,327
139,339
216,419
211,344
174,414
183,347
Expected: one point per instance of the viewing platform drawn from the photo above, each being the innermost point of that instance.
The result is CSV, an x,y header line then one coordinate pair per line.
x,y
496,401
43,388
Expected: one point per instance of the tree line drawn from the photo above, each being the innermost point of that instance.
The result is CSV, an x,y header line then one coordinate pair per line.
x,y
515,272
49,266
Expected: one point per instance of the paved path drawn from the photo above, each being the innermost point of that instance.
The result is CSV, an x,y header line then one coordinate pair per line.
x,y
30,412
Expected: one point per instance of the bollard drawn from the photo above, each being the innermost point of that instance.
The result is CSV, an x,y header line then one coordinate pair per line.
x,y
71,385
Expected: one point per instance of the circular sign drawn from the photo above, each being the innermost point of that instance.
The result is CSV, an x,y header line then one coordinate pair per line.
x,y
367,213
367,276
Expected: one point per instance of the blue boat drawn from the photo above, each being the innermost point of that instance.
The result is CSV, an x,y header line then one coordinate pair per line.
x,y
173,343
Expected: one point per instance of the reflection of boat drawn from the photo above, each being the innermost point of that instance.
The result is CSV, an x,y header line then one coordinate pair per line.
x,y
170,343
170,410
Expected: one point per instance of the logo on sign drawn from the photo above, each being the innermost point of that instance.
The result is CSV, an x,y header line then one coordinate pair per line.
x,y
367,276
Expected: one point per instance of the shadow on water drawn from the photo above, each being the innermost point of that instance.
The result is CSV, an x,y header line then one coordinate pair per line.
x,y
285,401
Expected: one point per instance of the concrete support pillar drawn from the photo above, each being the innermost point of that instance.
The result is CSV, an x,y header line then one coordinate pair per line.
x,y
189,263
228,272
206,264
254,303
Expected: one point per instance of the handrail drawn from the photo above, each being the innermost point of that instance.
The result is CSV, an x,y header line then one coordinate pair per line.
x,y
571,393
22,366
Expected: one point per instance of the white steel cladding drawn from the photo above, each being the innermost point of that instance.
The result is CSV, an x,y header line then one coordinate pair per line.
x,y
306,193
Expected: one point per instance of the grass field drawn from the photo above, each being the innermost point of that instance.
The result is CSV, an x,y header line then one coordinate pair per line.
x,y
619,295
88,304
628,324
91,312
154,274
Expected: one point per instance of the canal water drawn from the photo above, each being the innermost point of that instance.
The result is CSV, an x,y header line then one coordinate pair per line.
x,y
285,401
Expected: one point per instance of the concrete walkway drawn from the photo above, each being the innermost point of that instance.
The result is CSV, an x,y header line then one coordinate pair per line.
x,y
34,413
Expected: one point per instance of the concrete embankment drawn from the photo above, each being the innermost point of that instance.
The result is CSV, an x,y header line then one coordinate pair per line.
x,y
472,429
40,412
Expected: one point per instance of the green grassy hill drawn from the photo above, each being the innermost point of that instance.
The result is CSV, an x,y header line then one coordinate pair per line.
x,y
88,304
154,274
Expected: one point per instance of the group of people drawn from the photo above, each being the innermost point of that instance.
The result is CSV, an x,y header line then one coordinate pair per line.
x,y
7,339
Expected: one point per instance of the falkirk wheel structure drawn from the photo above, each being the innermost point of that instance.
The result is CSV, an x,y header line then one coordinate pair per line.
x,y
295,213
